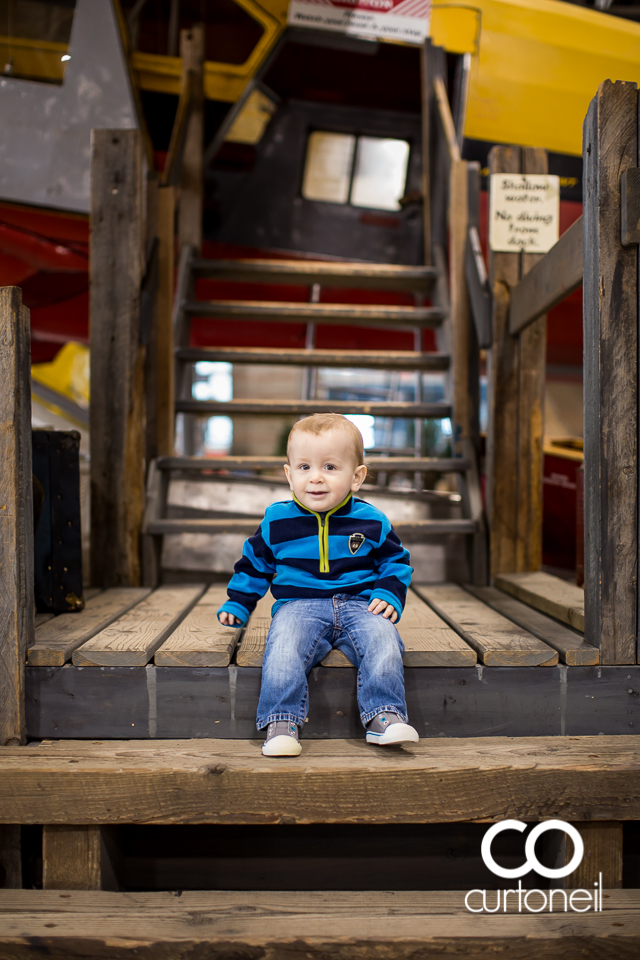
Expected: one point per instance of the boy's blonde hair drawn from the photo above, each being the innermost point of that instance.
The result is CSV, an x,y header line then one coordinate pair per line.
x,y
323,422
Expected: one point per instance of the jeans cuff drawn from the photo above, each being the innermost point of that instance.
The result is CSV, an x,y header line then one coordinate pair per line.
x,y
261,724
366,717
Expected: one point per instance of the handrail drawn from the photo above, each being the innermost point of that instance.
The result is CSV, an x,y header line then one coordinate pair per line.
x,y
173,166
547,284
447,120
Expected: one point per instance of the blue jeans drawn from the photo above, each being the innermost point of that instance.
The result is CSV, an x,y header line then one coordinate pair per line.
x,y
302,634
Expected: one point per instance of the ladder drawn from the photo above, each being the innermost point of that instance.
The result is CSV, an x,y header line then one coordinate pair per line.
x,y
426,282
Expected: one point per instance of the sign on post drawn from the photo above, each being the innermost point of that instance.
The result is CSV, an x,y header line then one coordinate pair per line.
x,y
406,20
524,212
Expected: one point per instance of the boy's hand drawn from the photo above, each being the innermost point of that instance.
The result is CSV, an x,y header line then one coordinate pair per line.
x,y
381,606
228,619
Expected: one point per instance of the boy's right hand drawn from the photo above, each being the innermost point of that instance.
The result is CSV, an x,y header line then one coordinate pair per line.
x,y
228,619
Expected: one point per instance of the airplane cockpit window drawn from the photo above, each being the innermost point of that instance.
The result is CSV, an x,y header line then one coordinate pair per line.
x,y
34,39
361,171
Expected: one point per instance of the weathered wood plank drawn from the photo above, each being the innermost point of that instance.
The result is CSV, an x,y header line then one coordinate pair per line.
x,y
71,857
459,312
498,641
117,390
502,396
374,359
192,44
133,638
200,640
557,274
532,358
57,639
165,415
388,464
339,313
251,649
391,408
16,512
425,129
448,126
610,315
222,781
328,273
547,593
40,619
572,648
345,925
602,856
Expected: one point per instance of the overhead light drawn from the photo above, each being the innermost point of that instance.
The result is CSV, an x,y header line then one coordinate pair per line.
x,y
65,57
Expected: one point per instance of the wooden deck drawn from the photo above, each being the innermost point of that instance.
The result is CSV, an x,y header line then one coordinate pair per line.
x,y
304,925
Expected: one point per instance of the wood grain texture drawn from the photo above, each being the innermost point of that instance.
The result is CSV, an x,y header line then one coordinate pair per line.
x,y
16,512
251,650
373,359
390,408
602,855
10,856
549,282
572,648
388,464
165,415
200,640
192,52
341,925
361,276
610,315
498,641
71,857
117,359
39,619
532,358
332,781
459,314
502,396
56,640
425,117
132,639
547,593
381,315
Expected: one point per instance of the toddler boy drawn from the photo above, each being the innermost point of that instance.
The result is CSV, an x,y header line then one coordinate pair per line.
x,y
339,575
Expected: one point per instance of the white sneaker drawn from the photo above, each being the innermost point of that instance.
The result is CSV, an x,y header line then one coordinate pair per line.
x,y
387,727
282,740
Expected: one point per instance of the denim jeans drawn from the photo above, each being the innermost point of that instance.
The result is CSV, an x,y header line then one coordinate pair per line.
x,y
302,634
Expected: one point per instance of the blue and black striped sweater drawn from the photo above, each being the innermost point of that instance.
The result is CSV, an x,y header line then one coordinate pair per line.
x,y
351,549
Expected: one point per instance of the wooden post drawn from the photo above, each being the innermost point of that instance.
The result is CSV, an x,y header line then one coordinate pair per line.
x,y
76,858
16,513
192,44
117,358
502,382
610,311
460,315
425,87
165,414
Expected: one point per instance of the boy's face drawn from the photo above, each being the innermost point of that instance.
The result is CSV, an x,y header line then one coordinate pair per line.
x,y
322,469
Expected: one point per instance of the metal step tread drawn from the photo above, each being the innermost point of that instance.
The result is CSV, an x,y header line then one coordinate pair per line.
x,y
248,526
377,276
292,312
375,359
391,408
389,464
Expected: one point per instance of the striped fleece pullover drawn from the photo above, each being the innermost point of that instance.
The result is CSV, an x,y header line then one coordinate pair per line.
x,y
302,555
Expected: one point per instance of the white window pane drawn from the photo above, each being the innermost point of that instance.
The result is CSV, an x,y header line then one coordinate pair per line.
x,y
365,425
380,173
328,167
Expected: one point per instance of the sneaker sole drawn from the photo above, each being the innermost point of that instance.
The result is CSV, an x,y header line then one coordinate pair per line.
x,y
281,746
395,733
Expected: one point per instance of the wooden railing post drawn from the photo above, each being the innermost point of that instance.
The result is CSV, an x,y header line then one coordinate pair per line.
x,y
165,415
117,413
190,210
16,513
610,311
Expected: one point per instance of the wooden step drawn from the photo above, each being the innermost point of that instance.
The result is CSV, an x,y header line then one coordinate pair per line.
x,y
392,408
409,530
498,641
366,359
438,780
549,594
200,640
389,464
312,924
361,276
345,314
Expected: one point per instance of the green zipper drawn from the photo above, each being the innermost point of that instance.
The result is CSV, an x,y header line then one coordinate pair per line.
x,y
323,531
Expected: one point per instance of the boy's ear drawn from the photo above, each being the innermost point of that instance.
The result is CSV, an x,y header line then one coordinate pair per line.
x,y
287,473
359,476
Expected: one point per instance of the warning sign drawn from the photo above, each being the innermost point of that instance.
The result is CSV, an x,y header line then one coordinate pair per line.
x,y
406,20
524,212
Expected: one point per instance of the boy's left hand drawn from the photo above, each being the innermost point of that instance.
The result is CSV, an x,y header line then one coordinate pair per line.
x,y
381,606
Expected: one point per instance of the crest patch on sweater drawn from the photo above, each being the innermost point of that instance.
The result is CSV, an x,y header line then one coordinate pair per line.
x,y
355,542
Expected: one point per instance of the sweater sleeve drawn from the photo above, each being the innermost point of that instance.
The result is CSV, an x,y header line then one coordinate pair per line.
x,y
252,575
394,570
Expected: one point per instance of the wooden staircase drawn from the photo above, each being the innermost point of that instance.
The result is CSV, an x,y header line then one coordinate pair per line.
x,y
423,282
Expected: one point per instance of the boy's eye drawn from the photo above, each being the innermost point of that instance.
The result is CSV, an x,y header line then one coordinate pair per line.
x,y
303,466
330,466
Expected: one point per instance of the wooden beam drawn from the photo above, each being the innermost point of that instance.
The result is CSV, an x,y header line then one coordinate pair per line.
x,y
446,120
475,271
557,274
610,294
364,359
328,273
335,781
192,44
76,858
165,414
172,172
602,856
117,357
382,315
425,97
390,408
16,513
459,311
